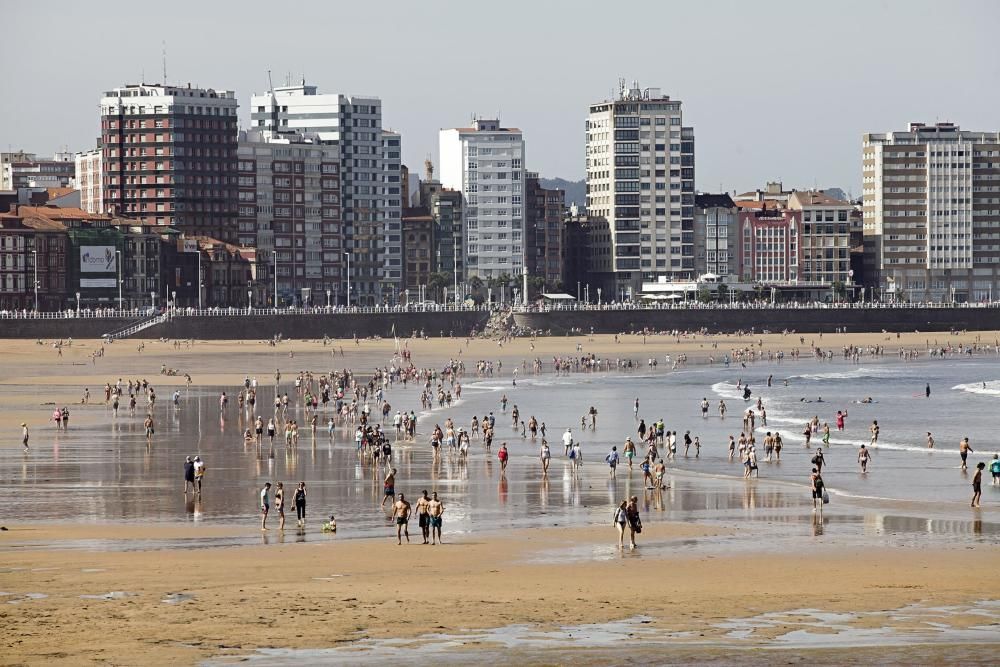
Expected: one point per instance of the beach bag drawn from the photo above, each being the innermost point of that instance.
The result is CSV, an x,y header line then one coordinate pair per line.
x,y
826,497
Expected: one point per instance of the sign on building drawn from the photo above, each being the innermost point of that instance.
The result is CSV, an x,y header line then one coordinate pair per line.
x,y
98,259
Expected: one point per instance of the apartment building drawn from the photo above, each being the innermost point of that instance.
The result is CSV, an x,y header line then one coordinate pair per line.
x,y
393,199
770,249
931,213
716,234
826,237
640,179
545,209
88,174
169,157
26,170
354,125
485,162
290,211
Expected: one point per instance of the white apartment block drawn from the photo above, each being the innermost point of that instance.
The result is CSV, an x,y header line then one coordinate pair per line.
x,y
88,180
931,207
485,163
354,124
640,179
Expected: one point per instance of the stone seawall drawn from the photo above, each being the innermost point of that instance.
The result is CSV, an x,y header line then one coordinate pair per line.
x,y
777,319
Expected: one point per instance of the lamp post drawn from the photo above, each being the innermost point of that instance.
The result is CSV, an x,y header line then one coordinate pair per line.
x,y
348,299
35,262
200,282
121,301
249,301
152,300
78,304
598,297
328,299
173,300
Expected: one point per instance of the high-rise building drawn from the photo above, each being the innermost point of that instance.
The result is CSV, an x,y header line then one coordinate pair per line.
x,y
88,180
418,237
931,213
27,170
354,125
716,234
391,214
289,209
485,163
446,210
640,179
169,157
826,237
545,209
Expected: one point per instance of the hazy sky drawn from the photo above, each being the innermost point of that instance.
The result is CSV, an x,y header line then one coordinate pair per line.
x,y
774,90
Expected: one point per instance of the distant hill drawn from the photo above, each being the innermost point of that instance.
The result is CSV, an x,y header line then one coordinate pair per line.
x,y
576,191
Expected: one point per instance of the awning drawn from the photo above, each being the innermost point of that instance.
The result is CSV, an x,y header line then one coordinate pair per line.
x,y
559,297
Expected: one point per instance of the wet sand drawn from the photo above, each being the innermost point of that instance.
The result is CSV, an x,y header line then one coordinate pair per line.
x,y
176,597
329,594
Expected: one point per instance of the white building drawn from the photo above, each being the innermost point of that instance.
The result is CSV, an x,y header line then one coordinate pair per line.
x,y
88,180
486,164
354,124
640,179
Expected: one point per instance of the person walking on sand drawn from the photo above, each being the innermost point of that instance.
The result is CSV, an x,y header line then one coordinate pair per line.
x,y
874,428
300,505
545,455
24,435
634,522
964,450
567,441
502,456
148,424
388,487
816,483
620,520
612,460
436,508
995,469
818,459
629,450
188,474
977,484
279,504
424,515
199,474
265,505
864,456
401,513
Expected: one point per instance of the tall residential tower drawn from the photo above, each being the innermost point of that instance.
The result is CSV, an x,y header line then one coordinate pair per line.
x,y
640,180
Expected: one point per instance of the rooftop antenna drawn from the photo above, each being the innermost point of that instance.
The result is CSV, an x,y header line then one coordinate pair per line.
x,y
164,62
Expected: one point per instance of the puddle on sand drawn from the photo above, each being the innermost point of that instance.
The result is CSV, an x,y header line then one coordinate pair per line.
x,y
112,595
18,598
796,629
177,598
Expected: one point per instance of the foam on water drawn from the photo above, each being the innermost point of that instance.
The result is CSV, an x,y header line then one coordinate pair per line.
x,y
988,388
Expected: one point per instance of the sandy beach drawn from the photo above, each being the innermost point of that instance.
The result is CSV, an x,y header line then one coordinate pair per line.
x,y
328,594
160,593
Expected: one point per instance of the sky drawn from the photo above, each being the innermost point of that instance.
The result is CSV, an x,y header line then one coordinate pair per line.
x,y
775,90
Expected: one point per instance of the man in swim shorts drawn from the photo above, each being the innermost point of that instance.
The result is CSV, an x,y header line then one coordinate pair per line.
x,y
401,513
436,509
389,487
423,515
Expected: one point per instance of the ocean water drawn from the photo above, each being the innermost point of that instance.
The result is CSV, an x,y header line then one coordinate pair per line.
x,y
105,472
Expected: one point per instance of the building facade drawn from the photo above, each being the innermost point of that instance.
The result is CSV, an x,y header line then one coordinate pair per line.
x,y
446,210
770,249
485,163
640,178
354,126
88,172
27,170
826,237
931,207
290,211
418,239
169,157
545,209
716,235
393,199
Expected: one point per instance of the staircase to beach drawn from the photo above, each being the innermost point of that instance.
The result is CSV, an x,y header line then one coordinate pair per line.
x,y
136,327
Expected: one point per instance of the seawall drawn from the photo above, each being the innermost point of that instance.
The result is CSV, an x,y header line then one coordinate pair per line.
x,y
773,319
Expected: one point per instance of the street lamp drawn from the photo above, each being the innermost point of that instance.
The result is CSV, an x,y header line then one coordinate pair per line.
x,y
35,262
249,301
328,299
598,297
152,300
348,256
121,301
173,300
200,281
78,304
